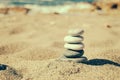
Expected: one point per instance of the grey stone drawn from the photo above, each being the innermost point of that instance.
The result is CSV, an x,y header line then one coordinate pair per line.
x,y
73,54
76,60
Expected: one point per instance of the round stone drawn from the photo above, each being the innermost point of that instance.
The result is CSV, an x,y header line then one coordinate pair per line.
x,y
73,54
75,32
71,39
76,60
76,47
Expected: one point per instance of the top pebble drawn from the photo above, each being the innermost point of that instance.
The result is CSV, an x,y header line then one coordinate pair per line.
x,y
75,32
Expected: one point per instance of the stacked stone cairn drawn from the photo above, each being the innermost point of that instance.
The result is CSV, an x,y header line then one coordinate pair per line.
x,y
74,46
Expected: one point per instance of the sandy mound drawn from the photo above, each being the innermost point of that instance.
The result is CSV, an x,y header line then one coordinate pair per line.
x,y
33,43
8,73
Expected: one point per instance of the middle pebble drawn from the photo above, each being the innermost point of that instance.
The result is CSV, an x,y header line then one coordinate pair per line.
x,y
74,46
71,39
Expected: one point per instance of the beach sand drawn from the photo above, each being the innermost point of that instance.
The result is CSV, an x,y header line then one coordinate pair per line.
x,y
32,45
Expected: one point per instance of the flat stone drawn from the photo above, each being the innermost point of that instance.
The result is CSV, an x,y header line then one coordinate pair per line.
x,y
75,32
76,60
71,39
73,54
76,47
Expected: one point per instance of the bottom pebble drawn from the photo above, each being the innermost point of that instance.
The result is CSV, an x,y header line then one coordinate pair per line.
x,y
76,60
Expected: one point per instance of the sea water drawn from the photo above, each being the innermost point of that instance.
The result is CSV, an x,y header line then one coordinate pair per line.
x,y
42,2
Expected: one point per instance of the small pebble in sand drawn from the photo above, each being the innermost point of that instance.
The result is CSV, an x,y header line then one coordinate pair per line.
x,y
108,26
2,67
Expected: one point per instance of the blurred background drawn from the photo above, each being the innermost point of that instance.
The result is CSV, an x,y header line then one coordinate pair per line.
x,y
32,32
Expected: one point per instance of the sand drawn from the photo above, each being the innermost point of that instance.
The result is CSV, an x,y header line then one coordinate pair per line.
x,y
32,45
